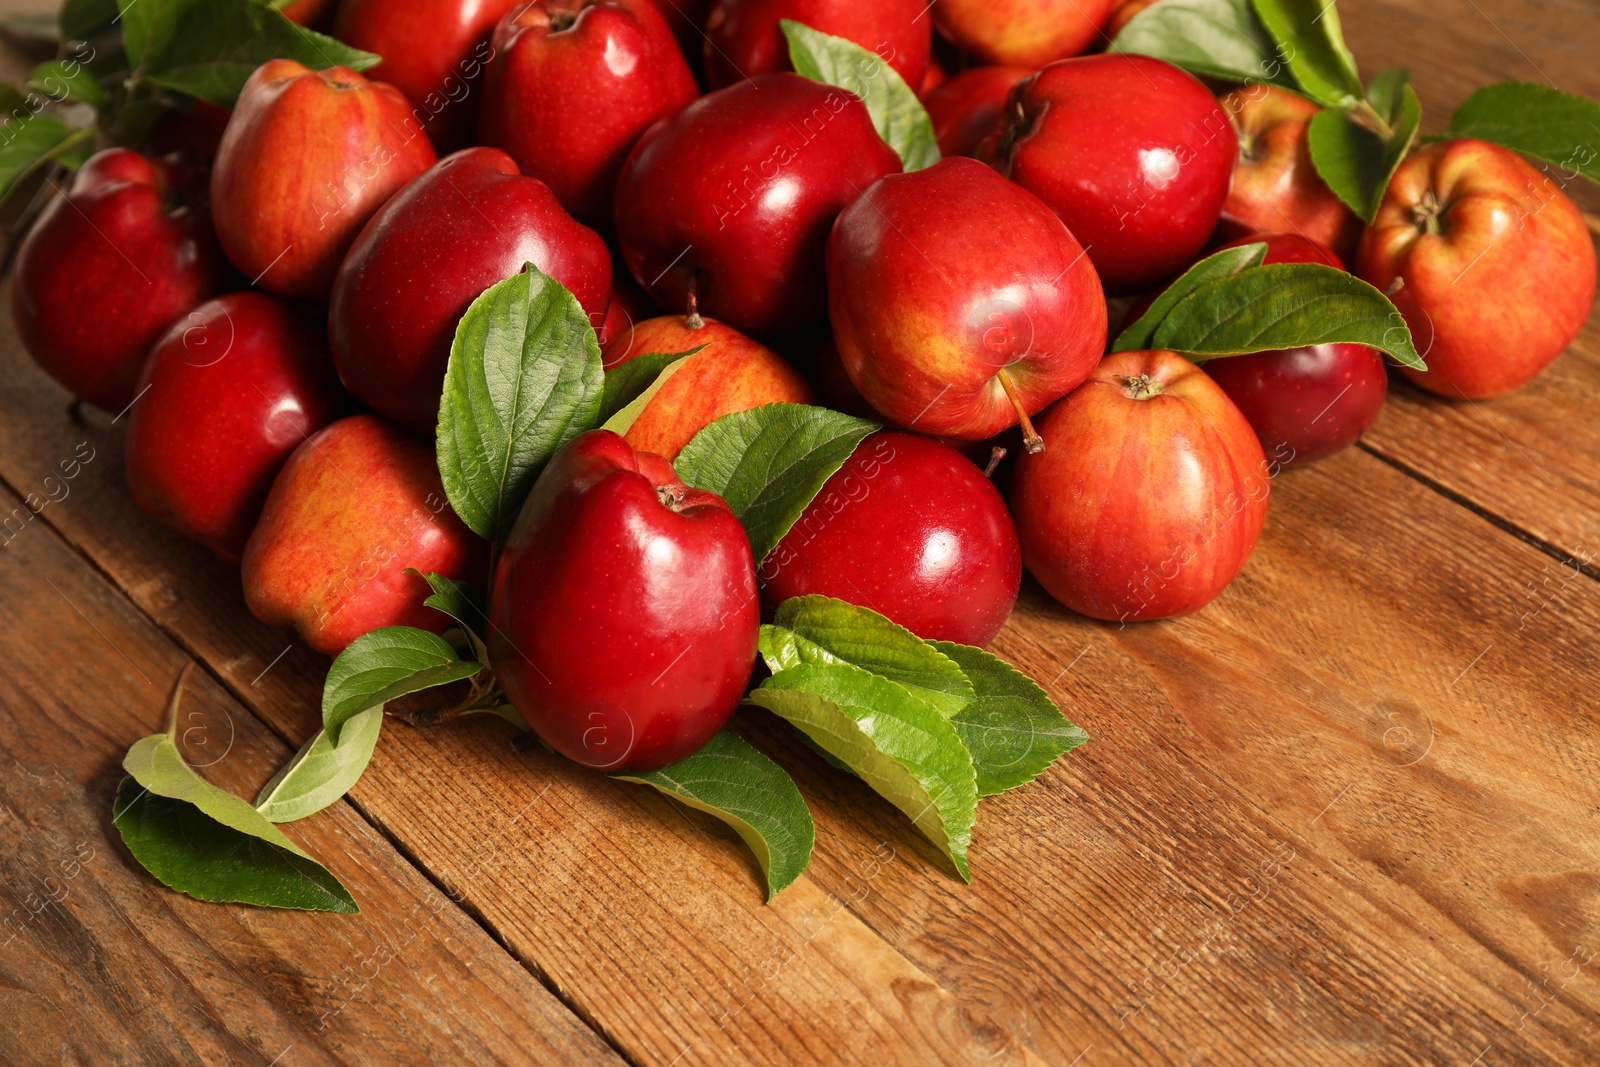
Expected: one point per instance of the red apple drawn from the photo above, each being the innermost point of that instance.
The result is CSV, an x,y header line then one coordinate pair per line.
x,y
573,85
1150,494
1022,33
1134,155
1275,187
966,108
959,302
731,373
743,38
732,198
1488,260
224,397
434,51
911,529
306,159
623,617
112,246
355,505
470,221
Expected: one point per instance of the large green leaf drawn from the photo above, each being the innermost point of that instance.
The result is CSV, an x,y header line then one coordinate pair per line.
x,y
1012,728
897,744
770,462
1311,41
1543,122
31,142
897,114
384,664
524,379
323,770
819,629
1219,38
739,785
1285,305
1137,335
210,844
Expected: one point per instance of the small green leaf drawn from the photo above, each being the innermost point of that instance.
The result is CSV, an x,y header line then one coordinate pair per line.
x,y
210,844
322,771
1224,264
384,664
628,380
819,629
622,420
64,80
1285,305
896,743
209,48
1357,163
897,114
1012,729
731,780
1311,40
1536,120
31,142
462,603
1384,92
1216,38
524,378
769,463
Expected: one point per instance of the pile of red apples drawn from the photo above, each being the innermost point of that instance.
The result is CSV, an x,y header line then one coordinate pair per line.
x,y
267,298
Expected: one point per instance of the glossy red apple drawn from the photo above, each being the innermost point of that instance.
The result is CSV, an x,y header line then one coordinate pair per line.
x,y
960,302
226,395
730,373
1275,187
1134,154
743,38
305,161
1022,33
734,195
472,220
1488,260
1150,496
967,108
355,505
113,246
623,617
911,529
554,59
434,51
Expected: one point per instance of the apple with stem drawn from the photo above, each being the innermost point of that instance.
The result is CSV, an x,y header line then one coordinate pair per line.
x,y
967,107
960,303
623,614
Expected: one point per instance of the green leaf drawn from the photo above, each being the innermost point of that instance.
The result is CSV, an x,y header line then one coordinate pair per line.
x,y
66,79
1217,38
322,771
1536,120
81,18
384,664
1224,264
462,603
896,743
769,463
731,780
628,380
820,629
1311,40
29,143
1013,729
622,420
209,48
1357,163
897,114
210,844
1285,305
524,378
1384,92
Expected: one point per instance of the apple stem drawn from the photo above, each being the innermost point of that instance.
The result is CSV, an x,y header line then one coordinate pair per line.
x,y
996,454
691,317
1030,437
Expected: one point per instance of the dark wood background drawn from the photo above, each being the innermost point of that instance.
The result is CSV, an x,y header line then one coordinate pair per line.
x,y
1347,813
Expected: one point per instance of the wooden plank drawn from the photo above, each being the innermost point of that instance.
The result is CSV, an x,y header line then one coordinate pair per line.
x,y
660,939
99,960
1531,458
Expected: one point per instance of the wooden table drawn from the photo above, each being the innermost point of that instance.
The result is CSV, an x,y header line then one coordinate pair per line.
x,y
1348,813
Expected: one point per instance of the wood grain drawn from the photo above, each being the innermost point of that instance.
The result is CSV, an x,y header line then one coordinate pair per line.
x,y
98,960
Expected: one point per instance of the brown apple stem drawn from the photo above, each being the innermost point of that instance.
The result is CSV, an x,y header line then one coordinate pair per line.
x,y
1030,437
691,317
996,454
1395,286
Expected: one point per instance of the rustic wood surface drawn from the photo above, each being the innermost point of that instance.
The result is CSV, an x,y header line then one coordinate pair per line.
x,y
1347,813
